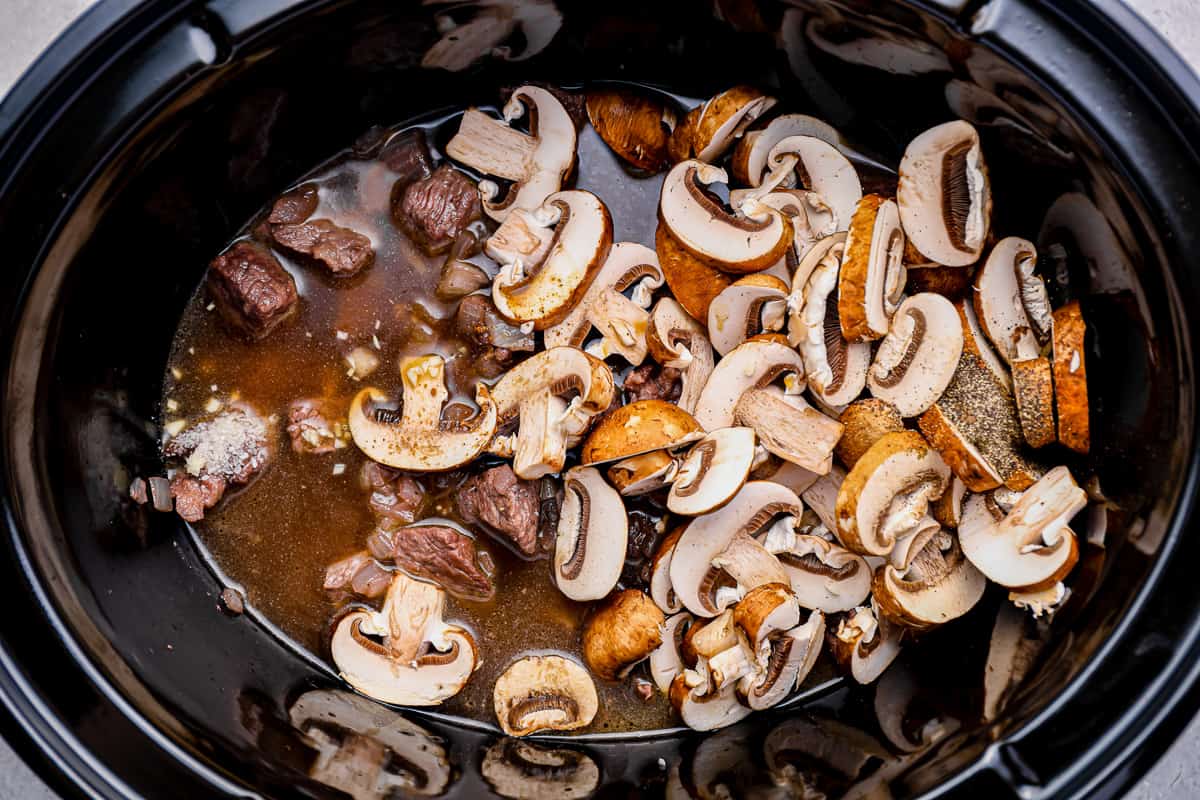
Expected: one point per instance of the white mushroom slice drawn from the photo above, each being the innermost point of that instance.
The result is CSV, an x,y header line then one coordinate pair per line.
x,y
821,168
790,428
420,661
866,644
541,442
643,474
918,357
738,242
825,576
939,585
749,564
463,44
537,163
726,668
544,693
414,438
678,341
1012,651
751,365
565,371
665,661
661,590
593,530
723,118
836,369
519,769
752,305
827,248
872,276
544,292
712,472
621,634
1031,547
703,711
822,496
794,477
709,538
886,496
944,196
811,217
621,320
524,236
786,661
750,157
1011,301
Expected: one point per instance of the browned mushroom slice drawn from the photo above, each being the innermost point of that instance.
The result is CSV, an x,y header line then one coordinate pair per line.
x,y
752,305
723,119
638,438
944,196
749,160
693,282
939,585
621,634
712,472
636,126
1011,302
593,532
785,651
864,422
886,496
947,509
871,280
916,360
544,693
680,146
1070,378
866,644
678,341
788,427
951,283
1033,390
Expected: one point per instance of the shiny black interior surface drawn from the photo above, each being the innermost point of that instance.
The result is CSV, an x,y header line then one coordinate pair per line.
x,y
113,201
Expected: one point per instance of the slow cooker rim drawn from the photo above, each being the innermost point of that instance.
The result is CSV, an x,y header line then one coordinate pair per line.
x,y
43,739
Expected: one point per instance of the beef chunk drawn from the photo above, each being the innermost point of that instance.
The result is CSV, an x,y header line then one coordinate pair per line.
x,y
253,292
441,554
478,321
504,504
232,445
652,382
295,206
194,496
435,210
644,533
407,155
342,250
310,428
395,497
360,574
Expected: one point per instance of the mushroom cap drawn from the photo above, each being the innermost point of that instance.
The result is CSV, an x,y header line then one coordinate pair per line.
x,y
944,195
677,340
866,644
916,360
786,659
622,633
751,305
637,126
723,118
765,610
871,280
863,423
1031,547
750,365
515,768
1070,378
1010,301
665,661
679,147
693,282
561,369
593,531
712,471
706,712
414,439
825,576
886,495
728,241
640,427
749,160
660,573
544,693
788,427
938,586
545,292
824,170
1033,390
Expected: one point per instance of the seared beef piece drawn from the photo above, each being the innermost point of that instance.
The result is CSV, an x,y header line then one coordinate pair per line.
x,y
193,496
444,555
309,427
407,155
395,496
503,504
359,573
342,250
295,206
435,210
478,321
232,445
253,292
652,382
639,549
573,102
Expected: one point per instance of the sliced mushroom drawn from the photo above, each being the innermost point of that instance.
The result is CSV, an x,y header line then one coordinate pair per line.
x,y
544,292
524,236
637,126
886,496
1070,378
462,45
419,660
712,472
702,710
665,661
827,250
754,304
975,342
811,217
784,661
866,644
678,341
864,422
750,365
1015,644
1031,547
638,437
537,162
820,167
680,146
944,195
621,320
414,437
661,590
693,282
947,509
621,634
1033,391
939,585
951,283
745,241
593,530
722,540
918,357
544,693
785,473
724,117
872,276
750,157
523,771
900,716
822,496
1011,302
825,576
788,427
1042,602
